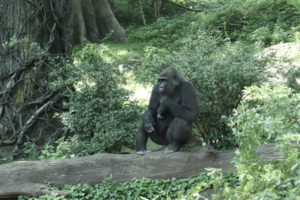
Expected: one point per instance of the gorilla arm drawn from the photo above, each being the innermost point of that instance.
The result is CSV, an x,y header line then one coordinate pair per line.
x,y
150,114
187,108
148,121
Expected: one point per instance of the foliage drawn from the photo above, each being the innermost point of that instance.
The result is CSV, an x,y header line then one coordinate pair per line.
x,y
219,74
165,30
267,115
101,114
295,3
129,12
145,188
265,21
112,52
250,17
293,79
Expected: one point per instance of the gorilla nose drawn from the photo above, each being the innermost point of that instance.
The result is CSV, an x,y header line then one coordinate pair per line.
x,y
162,88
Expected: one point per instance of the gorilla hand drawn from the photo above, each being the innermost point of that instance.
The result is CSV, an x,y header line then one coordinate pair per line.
x,y
148,121
149,126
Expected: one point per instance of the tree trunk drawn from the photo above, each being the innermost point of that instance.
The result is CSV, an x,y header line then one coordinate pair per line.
x,y
92,20
157,7
27,102
27,108
29,177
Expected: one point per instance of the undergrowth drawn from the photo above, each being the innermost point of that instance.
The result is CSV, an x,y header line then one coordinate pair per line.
x,y
266,21
144,188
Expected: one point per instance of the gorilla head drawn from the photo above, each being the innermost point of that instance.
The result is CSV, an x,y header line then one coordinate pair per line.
x,y
169,80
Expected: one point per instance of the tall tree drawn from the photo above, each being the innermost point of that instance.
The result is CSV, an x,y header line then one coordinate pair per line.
x,y
35,40
92,20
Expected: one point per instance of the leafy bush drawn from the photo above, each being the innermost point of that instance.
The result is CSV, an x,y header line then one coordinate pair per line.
x,y
293,79
218,71
219,75
101,110
267,115
101,114
265,21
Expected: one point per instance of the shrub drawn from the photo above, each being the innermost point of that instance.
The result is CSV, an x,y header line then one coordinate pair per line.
x,y
101,114
293,79
267,115
219,75
101,110
265,21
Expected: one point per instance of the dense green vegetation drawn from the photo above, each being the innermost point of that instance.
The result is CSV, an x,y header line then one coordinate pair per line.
x,y
267,115
150,189
217,50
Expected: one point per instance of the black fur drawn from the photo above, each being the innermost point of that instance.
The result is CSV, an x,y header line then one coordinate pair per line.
x,y
170,113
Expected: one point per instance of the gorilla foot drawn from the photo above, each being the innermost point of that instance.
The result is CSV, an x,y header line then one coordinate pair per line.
x,y
142,152
171,148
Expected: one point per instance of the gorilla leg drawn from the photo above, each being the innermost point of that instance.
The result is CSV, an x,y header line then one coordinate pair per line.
x,y
142,138
178,134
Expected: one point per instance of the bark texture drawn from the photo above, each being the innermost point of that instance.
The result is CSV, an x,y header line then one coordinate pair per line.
x,y
30,177
29,31
91,20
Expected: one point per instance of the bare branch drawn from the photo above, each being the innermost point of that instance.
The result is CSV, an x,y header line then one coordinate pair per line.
x,y
32,120
51,38
40,100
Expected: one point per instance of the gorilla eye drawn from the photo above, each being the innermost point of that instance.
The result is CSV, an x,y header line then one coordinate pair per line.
x,y
162,79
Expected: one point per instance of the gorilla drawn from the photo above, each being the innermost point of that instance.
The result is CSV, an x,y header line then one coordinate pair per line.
x,y
171,111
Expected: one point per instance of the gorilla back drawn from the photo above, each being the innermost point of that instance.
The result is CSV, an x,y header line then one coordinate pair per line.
x,y
171,111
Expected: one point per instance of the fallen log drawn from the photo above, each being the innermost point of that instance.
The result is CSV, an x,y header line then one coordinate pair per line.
x,y
32,177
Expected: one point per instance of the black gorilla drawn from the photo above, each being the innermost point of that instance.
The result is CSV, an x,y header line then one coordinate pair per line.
x,y
171,111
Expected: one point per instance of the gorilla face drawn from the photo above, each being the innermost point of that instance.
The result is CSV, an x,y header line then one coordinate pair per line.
x,y
169,80
166,85
163,85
